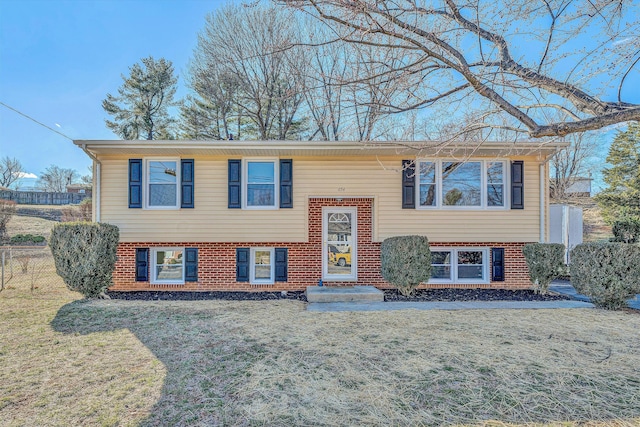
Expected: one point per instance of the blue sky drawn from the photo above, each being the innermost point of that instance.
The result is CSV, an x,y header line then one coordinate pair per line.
x,y
59,59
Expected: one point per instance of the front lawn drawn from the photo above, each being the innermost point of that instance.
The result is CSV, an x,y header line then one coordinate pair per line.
x,y
65,361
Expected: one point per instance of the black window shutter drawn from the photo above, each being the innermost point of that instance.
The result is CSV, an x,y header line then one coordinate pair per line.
x,y
242,264
142,264
135,183
235,184
408,184
186,168
286,183
497,264
517,184
191,265
281,264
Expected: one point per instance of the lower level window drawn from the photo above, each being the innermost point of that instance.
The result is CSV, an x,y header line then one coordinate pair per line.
x,y
262,266
168,265
459,265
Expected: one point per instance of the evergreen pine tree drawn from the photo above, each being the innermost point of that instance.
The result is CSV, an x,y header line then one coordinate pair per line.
x,y
141,109
622,195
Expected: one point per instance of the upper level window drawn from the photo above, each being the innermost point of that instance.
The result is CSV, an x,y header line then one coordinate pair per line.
x,y
260,183
471,184
162,183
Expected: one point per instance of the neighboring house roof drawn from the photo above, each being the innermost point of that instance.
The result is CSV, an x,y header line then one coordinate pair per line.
x,y
316,148
579,185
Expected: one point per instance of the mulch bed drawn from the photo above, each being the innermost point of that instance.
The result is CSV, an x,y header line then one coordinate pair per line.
x,y
389,295
471,295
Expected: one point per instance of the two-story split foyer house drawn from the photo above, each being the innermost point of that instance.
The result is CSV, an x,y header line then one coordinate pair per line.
x,y
281,215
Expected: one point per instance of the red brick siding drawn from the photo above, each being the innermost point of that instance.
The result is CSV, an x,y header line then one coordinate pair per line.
x,y
217,261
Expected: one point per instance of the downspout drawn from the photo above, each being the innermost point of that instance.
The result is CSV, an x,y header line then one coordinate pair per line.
x,y
96,181
543,208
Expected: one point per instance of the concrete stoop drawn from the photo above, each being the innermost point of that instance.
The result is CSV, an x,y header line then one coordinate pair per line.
x,y
332,294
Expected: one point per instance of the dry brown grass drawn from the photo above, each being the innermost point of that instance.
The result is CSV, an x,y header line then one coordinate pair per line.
x,y
30,225
65,361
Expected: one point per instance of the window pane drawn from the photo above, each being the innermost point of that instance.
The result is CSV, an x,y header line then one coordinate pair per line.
x,y
495,172
427,184
470,257
162,183
441,257
260,195
470,272
162,172
495,184
169,272
260,172
461,183
169,265
162,195
262,265
441,272
441,265
339,227
495,196
263,272
470,265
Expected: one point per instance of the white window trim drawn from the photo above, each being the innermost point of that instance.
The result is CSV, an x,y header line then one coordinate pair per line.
x,y
252,265
276,182
483,185
154,279
454,265
146,193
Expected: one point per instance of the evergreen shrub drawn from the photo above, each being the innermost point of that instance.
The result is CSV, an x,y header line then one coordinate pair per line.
x,y
405,262
608,273
85,255
626,229
545,262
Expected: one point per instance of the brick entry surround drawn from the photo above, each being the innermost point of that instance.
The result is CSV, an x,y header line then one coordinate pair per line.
x,y
217,263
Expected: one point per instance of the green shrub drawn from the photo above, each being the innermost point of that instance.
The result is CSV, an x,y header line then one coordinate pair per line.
x,y
545,262
608,273
19,239
626,229
85,255
405,262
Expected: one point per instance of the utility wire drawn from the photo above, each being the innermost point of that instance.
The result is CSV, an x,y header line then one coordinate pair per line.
x,y
34,120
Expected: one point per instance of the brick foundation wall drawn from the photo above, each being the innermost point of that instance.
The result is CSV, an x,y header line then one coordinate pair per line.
x,y
217,261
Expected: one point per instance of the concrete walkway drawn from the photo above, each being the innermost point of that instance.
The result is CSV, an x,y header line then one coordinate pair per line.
x,y
564,287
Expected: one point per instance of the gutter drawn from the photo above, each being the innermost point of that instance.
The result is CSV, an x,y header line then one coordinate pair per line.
x,y
96,181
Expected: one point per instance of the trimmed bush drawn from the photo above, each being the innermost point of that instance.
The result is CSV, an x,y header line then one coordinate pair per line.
x,y
626,229
608,273
21,239
85,255
405,262
545,262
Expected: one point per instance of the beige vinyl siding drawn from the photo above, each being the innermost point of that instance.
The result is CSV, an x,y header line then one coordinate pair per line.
x,y
212,221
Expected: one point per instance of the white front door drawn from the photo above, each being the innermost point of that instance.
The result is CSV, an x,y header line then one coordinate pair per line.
x,y
339,261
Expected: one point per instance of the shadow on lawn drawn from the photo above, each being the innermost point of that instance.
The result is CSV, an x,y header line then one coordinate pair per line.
x,y
206,357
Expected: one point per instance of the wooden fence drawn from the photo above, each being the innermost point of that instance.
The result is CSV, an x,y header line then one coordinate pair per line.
x,y
42,197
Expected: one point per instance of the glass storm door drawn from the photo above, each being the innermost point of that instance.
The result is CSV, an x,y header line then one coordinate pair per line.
x,y
339,243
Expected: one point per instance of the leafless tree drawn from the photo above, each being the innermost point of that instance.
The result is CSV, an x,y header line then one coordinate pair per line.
x,y
10,169
512,63
56,179
574,162
245,67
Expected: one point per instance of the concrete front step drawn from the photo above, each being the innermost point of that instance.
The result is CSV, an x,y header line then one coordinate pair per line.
x,y
330,294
